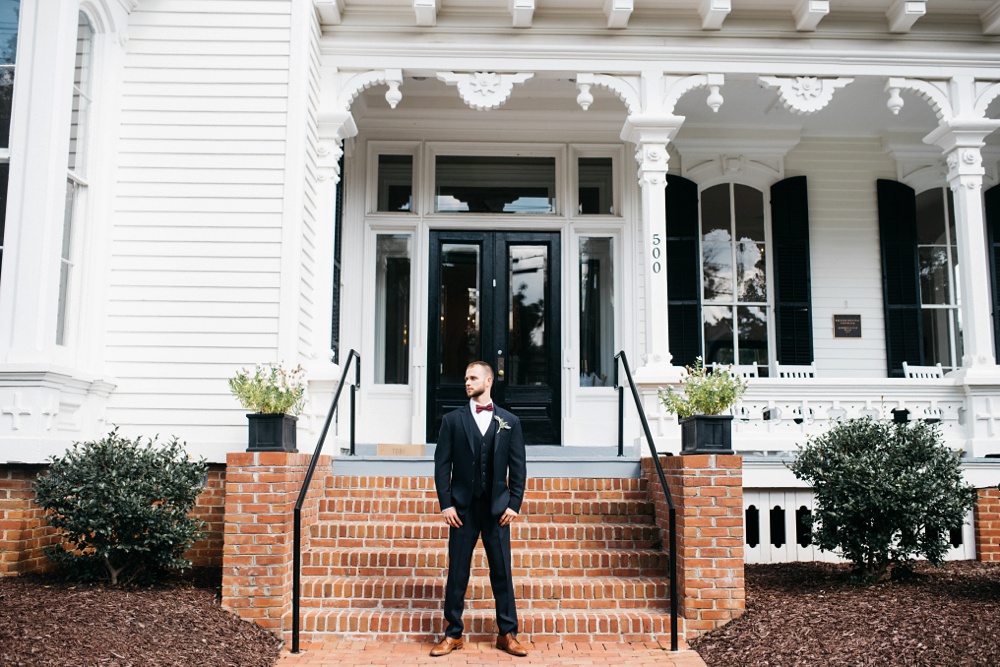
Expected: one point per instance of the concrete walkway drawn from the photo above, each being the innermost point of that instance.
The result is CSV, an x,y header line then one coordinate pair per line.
x,y
354,654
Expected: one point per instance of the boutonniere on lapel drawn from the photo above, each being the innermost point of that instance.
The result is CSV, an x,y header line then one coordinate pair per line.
x,y
504,426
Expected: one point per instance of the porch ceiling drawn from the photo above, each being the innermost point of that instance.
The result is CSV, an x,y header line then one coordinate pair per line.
x,y
857,110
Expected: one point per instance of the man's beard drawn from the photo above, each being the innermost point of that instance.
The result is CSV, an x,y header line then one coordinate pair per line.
x,y
474,393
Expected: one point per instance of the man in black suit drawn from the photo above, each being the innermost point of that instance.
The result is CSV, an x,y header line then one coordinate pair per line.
x,y
479,474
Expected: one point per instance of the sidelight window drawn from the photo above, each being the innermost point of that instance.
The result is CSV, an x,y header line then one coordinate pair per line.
x,y
596,312
392,307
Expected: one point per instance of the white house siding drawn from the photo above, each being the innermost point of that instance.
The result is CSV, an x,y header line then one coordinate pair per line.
x,y
198,234
846,265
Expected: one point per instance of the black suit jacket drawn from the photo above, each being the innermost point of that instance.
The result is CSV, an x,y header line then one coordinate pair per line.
x,y
454,461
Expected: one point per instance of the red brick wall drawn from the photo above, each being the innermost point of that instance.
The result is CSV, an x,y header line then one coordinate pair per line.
x,y
211,509
23,532
987,523
707,491
261,490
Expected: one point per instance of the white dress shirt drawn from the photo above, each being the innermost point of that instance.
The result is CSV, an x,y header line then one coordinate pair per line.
x,y
482,418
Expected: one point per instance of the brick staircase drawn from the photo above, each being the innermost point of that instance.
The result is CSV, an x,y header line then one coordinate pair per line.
x,y
586,559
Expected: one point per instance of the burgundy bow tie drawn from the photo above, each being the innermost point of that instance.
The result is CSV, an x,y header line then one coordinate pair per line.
x,y
488,407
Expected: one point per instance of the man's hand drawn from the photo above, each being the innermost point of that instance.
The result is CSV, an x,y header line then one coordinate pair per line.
x,y
451,517
507,517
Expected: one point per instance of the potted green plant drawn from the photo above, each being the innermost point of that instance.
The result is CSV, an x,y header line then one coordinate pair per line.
x,y
707,394
276,396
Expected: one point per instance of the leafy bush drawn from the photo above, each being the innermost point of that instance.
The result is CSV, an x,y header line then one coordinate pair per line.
x,y
705,392
885,493
121,507
270,389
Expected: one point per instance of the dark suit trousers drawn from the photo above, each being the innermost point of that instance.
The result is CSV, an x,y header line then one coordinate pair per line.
x,y
461,543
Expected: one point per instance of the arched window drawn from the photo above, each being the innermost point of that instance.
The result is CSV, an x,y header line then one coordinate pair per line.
x,y
939,287
735,285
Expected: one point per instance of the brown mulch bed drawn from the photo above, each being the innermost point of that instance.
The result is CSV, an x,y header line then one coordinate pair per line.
x,y
811,614
46,622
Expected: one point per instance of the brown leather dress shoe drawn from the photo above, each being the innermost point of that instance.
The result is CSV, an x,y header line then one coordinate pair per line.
x,y
447,645
509,643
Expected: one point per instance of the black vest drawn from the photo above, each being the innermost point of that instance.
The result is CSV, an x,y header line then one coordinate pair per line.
x,y
483,479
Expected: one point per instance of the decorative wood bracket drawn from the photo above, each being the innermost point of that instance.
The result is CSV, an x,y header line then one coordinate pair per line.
x,y
353,84
618,13
902,14
677,87
934,92
522,12
808,14
330,11
625,88
804,94
713,13
484,90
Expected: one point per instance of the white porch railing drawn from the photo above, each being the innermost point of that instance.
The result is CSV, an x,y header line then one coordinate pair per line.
x,y
778,414
776,529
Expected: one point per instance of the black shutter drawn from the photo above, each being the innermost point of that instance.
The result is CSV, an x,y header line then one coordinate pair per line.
x,y
992,201
897,221
683,270
792,287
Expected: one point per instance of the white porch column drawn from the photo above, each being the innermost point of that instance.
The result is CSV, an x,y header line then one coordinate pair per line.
x,y
962,141
651,133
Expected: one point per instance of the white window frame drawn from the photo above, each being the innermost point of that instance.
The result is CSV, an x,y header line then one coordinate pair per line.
x,y
954,294
769,264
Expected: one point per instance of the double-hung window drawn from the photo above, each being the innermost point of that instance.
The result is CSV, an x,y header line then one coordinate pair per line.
x,y
9,11
939,288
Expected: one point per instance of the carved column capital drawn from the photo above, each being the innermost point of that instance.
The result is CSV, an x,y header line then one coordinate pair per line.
x,y
651,135
962,142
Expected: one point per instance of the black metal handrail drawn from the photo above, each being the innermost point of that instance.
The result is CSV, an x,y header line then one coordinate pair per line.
x,y
297,534
672,513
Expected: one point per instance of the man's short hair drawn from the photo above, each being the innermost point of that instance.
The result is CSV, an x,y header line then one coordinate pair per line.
x,y
487,369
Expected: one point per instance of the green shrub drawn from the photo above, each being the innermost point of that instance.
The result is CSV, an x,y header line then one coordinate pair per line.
x,y
270,389
121,507
885,493
706,392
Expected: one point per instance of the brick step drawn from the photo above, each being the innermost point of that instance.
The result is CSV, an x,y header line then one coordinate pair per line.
x,y
539,484
480,625
425,509
623,489
427,593
426,535
524,562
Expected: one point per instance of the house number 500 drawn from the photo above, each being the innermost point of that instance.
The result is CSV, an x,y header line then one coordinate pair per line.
x,y
657,253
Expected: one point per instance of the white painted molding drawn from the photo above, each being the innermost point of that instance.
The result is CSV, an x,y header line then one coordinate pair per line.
x,y
990,18
484,90
918,165
353,84
713,13
618,13
986,92
625,88
934,93
330,11
677,87
522,12
804,94
808,14
711,155
902,14
426,12
129,5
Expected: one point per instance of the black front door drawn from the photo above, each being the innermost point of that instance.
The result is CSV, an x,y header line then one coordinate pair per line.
x,y
494,296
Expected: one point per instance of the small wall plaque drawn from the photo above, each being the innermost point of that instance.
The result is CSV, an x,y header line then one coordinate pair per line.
x,y
847,326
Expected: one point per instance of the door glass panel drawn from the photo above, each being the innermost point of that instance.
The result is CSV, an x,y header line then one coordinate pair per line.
x,y
596,188
495,184
528,341
392,305
395,183
596,312
460,334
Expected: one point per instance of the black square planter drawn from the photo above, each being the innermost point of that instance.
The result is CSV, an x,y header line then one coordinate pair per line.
x,y
707,434
271,433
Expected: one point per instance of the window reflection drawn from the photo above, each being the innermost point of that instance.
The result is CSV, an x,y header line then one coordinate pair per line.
x,y
939,287
596,186
395,183
596,312
734,268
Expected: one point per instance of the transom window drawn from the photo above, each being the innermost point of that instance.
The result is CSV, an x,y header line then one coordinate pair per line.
x,y
939,286
735,276
495,184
